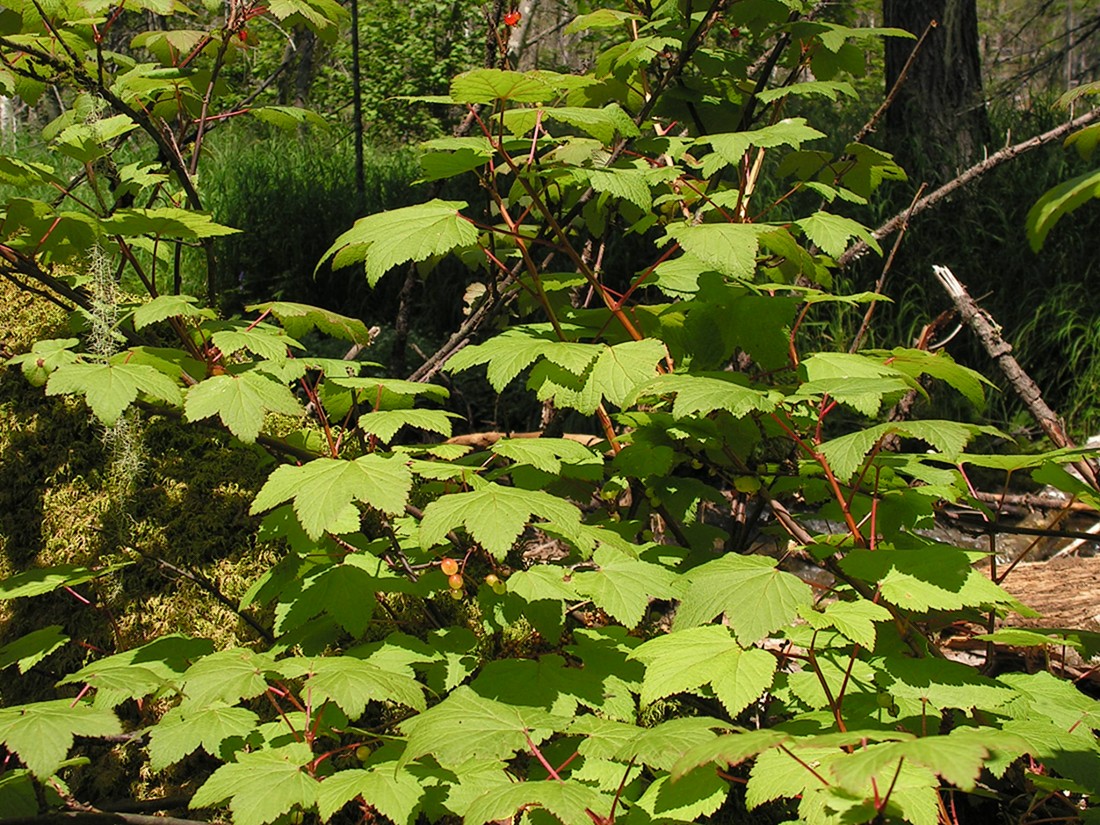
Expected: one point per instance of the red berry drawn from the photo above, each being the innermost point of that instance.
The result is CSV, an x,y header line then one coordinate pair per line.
x,y
511,18
449,567
455,581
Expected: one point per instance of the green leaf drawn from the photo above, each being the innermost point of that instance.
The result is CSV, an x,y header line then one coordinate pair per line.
x,y
111,388
487,85
288,118
703,394
728,248
958,757
351,683
731,749
187,727
865,395
915,362
466,726
546,454
688,659
755,597
493,515
831,233
29,650
1043,695
164,221
240,401
684,799
386,423
854,619
729,148
1057,202
413,233
324,491
18,797
39,580
846,453
620,369
830,89
395,794
168,306
631,185
509,353
45,356
227,676
603,124
926,578
344,592
42,733
570,802
300,319
262,785
263,340
623,586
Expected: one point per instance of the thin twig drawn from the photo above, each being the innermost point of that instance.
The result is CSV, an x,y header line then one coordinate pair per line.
x,y
869,126
971,174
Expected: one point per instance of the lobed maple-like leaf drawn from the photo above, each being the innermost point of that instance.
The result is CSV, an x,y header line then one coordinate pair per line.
x,y
39,580
729,248
755,597
190,726
729,147
703,394
546,454
300,319
351,683
685,799
933,577
165,221
688,659
261,786
957,757
623,586
509,353
730,749
32,648
111,388
487,85
227,676
393,792
385,424
831,232
324,491
467,726
168,306
493,515
569,802
412,233
42,733
240,401
845,454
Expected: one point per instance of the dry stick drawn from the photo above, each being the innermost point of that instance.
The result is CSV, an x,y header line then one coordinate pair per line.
x,y
1001,351
869,126
974,172
881,282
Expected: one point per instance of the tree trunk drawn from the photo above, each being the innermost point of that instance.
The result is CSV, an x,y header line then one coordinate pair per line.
x,y
938,123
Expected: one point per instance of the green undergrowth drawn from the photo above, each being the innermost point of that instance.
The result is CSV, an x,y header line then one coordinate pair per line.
x,y
278,581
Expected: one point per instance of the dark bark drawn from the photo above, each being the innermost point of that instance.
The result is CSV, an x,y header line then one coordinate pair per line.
x,y
938,121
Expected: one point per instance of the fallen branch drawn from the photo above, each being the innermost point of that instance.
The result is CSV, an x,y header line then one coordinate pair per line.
x,y
989,333
974,172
